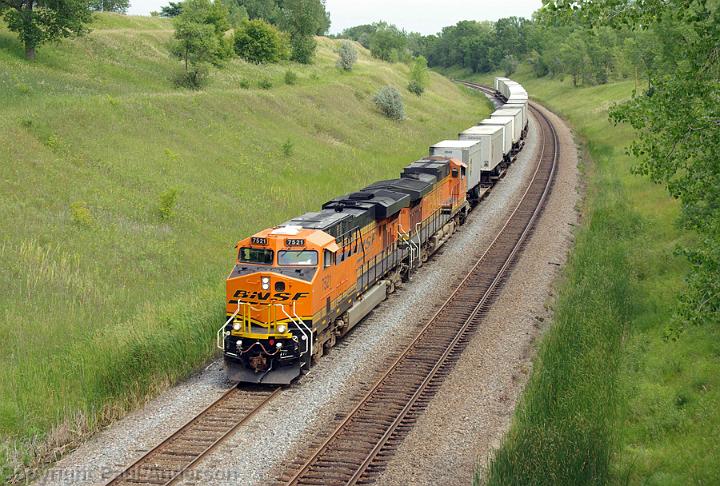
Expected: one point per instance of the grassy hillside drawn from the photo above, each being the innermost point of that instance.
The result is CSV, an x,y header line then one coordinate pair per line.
x,y
104,299
610,400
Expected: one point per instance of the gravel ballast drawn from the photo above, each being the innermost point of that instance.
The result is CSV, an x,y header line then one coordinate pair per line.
x,y
259,451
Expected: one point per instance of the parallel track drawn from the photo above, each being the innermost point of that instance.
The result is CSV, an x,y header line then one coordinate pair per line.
x,y
358,449
360,446
166,463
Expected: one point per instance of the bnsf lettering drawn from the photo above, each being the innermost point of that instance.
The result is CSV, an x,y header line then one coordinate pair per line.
x,y
264,296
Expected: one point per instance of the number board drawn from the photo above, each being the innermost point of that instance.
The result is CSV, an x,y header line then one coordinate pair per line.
x,y
258,241
294,242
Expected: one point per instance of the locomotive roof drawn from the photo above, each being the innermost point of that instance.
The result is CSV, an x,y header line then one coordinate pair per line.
x,y
414,188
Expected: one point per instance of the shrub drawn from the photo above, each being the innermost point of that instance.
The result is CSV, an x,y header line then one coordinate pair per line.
x,y
287,148
418,76
81,214
167,202
390,103
194,78
265,83
347,55
415,88
290,77
244,84
303,49
509,65
259,42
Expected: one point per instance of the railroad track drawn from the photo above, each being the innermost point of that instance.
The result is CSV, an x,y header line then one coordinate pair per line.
x,y
173,457
360,446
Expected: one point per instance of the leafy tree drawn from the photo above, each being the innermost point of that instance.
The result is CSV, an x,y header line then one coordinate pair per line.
x,y
347,55
119,6
303,19
418,76
360,33
387,42
173,9
509,65
259,42
677,122
199,39
39,21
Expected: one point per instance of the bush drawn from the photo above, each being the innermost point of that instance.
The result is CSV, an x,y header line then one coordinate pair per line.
x,y
290,77
303,49
418,76
288,147
390,103
509,65
167,201
415,88
347,55
81,214
259,42
194,78
265,83
244,84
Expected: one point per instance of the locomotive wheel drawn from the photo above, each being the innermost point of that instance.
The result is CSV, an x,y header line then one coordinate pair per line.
x,y
329,343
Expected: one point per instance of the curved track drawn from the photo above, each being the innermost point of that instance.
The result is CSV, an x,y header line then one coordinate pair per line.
x,y
359,447
357,450
166,463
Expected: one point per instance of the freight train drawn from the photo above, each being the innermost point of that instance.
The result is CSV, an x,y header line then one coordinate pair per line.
x,y
297,288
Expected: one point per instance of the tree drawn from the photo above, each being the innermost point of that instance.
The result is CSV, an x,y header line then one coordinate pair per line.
x,y
119,6
418,76
387,42
199,39
347,55
39,21
304,19
173,9
677,122
257,41
509,65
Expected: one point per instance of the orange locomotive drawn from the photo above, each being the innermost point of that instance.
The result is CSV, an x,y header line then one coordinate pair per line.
x,y
298,287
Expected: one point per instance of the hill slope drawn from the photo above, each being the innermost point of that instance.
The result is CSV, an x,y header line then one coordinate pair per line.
x,y
105,300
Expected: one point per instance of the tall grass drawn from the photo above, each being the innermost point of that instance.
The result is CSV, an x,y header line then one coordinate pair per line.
x,y
610,399
111,287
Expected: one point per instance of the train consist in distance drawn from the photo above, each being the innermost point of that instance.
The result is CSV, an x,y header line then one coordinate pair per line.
x,y
298,287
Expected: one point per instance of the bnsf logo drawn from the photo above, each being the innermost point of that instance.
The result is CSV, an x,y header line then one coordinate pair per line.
x,y
263,296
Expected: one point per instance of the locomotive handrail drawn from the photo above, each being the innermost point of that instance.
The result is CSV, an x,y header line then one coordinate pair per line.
x,y
302,322
218,340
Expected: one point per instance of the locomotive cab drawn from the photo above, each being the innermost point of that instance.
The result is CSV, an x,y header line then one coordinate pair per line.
x,y
271,299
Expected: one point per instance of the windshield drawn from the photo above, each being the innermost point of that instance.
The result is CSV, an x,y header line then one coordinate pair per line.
x,y
256,255
299,257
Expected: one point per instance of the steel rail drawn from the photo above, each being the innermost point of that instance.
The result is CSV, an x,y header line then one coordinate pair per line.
x,y
460,334
218,421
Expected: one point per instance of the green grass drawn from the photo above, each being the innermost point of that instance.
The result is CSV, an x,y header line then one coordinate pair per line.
x,y
122,199
610,400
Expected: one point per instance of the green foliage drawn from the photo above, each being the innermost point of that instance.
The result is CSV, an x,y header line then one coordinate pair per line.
x,y
199,39
244,84
303,19
388,43
291,77
259,42
37,22
418,76
173,9
166,203
265,83
81,215
287,148
509,65
390,103
347,56
677,122
118,6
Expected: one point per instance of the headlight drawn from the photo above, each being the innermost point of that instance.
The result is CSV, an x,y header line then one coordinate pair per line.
x,y
266,283
236,326
282,328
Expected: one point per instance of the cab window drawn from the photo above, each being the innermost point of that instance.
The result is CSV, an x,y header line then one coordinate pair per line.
x,y
256,255
297,257
328,258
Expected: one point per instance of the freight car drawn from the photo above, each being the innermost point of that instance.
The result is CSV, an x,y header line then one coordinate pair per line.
x,y
298,287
